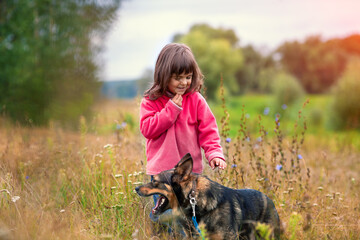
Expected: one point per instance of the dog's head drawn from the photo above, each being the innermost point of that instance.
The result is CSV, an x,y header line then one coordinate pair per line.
x,y
169,185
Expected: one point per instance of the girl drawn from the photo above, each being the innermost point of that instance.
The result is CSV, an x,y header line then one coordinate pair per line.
x,y
174,118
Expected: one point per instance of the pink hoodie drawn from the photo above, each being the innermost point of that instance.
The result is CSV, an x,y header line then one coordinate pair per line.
x,y
172,131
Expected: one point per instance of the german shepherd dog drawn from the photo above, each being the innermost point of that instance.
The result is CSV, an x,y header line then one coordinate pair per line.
x,y
224,212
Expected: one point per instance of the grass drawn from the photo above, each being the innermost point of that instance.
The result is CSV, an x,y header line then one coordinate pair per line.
x,y
57,184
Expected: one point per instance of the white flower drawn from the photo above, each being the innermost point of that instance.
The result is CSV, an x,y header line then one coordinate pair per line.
x,y
15,198
108,146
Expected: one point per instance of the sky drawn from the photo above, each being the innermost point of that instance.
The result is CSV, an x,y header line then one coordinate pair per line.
x,y
143,27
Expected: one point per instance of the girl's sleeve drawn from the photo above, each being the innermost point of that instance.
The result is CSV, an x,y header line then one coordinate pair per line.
x,y
209,137
152,122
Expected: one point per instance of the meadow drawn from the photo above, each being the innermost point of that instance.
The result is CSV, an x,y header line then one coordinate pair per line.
x,y
61,184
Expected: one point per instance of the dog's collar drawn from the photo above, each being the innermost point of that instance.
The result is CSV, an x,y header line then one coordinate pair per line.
x,y
192,198
193,190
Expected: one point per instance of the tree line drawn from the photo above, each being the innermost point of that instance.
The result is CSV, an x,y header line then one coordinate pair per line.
x,y
48,53
316,64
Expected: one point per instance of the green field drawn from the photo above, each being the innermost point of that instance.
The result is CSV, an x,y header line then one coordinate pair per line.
x,y
59,184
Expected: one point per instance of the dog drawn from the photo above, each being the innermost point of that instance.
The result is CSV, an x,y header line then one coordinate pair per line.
x,y
225,213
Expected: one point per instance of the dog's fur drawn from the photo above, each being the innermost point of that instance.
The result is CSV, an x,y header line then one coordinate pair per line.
x,y
226,213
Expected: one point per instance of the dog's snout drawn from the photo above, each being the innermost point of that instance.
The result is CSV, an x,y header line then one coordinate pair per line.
x,y
137,189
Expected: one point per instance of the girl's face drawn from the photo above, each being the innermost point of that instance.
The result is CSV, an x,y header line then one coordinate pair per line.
x,y
178,84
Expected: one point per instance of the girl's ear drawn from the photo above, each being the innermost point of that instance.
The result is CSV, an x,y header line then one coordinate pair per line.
x,y
184,167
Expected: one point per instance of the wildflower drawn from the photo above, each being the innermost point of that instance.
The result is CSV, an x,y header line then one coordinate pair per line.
x,y
299,156
121,126
284,106
320,188
62,210
118,175
15,198
247,139
228,140
247,116
279,167
27,177
108,146
266,111
259,139
233,166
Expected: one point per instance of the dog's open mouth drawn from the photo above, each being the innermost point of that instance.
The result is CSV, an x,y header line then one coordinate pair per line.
x,y
161,205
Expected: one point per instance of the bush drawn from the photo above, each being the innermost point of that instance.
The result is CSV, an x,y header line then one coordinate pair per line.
x,y
287,90
346,102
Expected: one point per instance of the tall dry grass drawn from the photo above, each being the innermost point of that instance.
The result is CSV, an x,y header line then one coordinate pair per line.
x,y
58,184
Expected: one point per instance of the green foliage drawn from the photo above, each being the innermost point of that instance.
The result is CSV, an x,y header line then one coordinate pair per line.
x,y
346,103
215,52
47,54
295,223
287,89
256,74
264,231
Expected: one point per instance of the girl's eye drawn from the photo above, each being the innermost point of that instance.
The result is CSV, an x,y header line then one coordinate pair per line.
x,y
188,77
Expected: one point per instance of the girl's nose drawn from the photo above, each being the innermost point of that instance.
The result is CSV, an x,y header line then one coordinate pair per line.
x,y
183,81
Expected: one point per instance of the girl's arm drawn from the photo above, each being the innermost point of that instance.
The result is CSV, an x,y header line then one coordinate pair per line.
x,y
209,137
152,122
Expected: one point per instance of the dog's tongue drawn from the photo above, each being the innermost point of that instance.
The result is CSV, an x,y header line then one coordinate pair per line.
x,y
158,204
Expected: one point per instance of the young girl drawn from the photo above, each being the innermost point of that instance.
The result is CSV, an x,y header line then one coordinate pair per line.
x,y
175,119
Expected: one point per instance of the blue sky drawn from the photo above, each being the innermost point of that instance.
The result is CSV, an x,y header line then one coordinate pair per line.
x,y
143,27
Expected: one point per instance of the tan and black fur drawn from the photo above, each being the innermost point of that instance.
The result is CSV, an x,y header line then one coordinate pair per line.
x,y
224,212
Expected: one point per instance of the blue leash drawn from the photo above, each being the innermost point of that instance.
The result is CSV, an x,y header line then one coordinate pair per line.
x,y
196,225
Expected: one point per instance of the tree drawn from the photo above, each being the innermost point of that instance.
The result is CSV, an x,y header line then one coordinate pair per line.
x,y
47,53
315,63
256,72
217,54
346,103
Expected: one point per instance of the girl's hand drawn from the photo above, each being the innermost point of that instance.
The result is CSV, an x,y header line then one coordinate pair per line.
x,y
177,99
217,162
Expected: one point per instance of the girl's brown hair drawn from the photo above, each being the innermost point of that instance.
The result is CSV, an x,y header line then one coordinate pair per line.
x,y
174,58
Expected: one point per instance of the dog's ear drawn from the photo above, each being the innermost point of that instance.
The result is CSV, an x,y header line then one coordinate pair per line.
x,y
184,167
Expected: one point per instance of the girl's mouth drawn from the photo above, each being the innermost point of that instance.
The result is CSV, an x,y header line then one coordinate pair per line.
x,y
181,89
